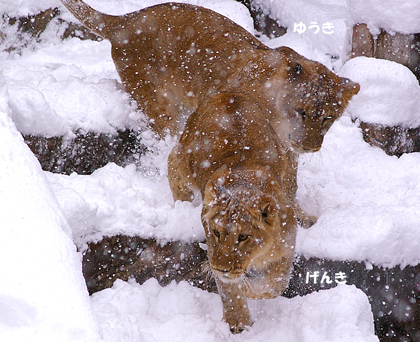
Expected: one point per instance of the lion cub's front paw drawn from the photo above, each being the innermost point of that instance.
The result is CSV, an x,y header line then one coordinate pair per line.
x,y
238,323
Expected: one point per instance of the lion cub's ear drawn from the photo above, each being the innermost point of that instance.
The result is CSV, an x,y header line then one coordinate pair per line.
x,y
265,210
213,193
294,70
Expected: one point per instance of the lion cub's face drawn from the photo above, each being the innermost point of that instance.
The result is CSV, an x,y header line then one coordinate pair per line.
x,y
313,98
240,228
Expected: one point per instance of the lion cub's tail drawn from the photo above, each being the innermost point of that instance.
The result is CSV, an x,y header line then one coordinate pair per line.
x,y
88,16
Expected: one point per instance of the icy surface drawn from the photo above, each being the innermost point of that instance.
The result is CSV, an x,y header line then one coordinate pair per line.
x,y
43,296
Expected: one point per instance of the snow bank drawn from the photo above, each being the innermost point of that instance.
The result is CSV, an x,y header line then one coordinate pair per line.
x,y
229,8
390,93
319,32
391,15
368,203
149,312
16,8
232,9
43,296
64,87
132,201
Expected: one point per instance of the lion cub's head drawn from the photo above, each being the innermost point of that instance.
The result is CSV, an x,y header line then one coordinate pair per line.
x,y
313,98
245,230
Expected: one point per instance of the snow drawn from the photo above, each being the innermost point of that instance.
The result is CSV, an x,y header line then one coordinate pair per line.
x,y
120,200
390,15
340,314
25,7
43,296
310,40
232,10
367,202
84,82
391,92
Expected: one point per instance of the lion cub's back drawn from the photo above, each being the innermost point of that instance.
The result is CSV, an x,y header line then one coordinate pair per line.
x,y
171,57
230,130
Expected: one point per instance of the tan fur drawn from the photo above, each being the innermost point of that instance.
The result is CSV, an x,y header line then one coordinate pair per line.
x,y
231,155
171,57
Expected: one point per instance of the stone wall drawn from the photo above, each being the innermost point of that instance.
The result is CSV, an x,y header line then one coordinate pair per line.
x,y
86,152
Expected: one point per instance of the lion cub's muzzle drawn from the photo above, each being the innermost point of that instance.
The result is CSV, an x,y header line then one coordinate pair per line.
x,y
227,274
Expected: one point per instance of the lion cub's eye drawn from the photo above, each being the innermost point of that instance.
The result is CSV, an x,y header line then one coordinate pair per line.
x,y
242,237
216,233
326,119
301,113
298,68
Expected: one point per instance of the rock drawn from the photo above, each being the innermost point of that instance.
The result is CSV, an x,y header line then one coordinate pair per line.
x,y
362,42
396,47
395,140
124,257
85,153
34,24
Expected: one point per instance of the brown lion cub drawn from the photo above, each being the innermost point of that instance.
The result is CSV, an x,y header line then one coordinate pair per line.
x,y
171,57
230,154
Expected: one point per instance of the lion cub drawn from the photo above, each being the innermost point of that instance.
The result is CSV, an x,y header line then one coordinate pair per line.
x,y
171,57
230,154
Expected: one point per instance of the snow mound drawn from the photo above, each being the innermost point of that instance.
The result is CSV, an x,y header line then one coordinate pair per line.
x,y
150,312
16,8
389,94
368,203
81,75
43,295
391,15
